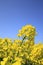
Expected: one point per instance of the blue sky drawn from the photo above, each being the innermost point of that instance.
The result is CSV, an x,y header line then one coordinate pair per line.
x,y
16,13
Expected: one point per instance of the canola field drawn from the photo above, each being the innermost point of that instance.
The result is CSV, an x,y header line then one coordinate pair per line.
x,y
21,51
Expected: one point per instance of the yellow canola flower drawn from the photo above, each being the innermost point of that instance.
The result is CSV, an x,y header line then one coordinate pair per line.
x,y
3,41
7,39
18,59
17,63
17,41
14,46
19,35
28,31
5,48
36,53
27,27
4,61
27,34
17,53
41,61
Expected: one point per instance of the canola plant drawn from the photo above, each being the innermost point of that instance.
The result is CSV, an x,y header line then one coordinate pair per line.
x,y
22,51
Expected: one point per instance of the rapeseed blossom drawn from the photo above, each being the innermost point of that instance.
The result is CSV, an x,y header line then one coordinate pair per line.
x,y
22,51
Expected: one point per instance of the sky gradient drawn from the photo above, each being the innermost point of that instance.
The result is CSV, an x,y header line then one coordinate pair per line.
x,y
16,13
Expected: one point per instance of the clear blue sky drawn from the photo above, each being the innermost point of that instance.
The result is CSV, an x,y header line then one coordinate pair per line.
x,y
16,13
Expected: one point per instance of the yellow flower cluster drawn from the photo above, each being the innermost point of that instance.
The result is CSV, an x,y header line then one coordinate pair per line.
x,y
28,31
21,51
37,53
